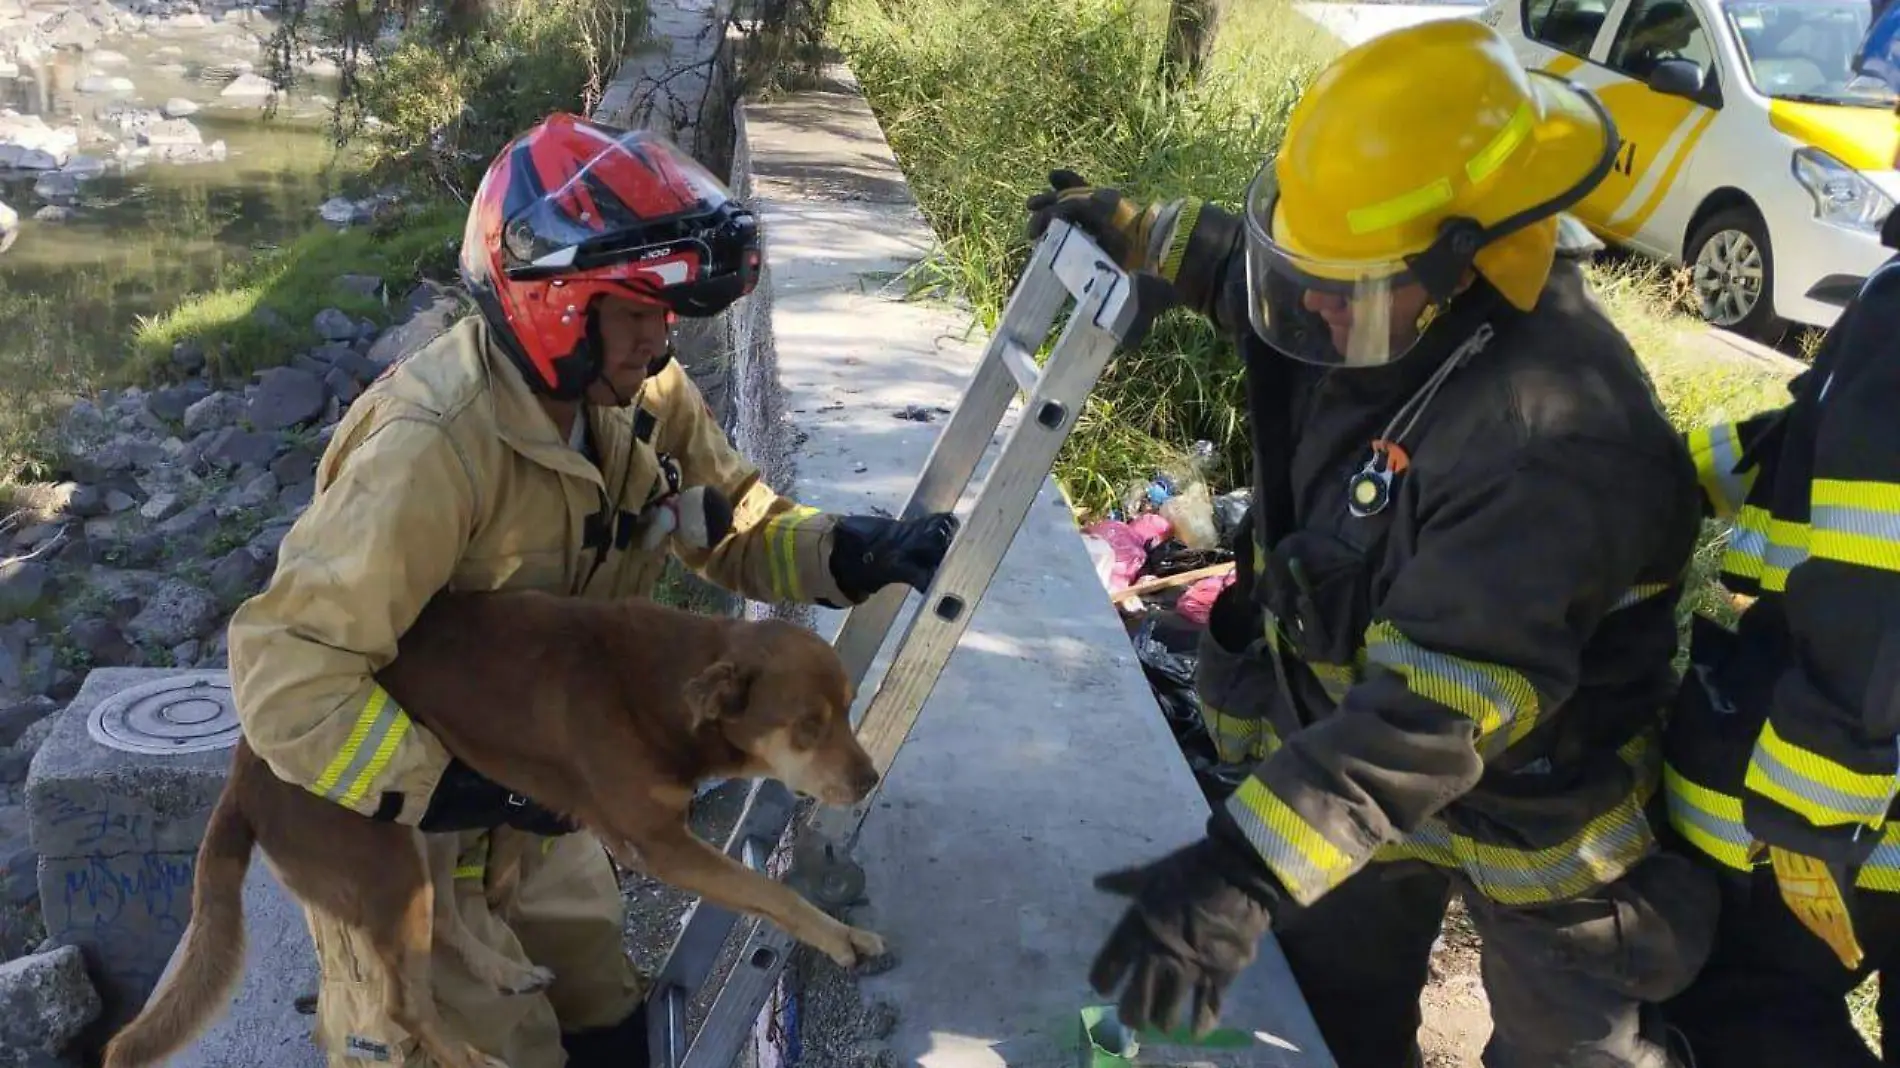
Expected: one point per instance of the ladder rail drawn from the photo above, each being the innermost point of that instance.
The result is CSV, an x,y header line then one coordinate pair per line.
x,y
1109,313
960,447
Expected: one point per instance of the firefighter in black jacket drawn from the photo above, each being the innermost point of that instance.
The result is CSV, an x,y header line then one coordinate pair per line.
x,y
1452,644
1784,750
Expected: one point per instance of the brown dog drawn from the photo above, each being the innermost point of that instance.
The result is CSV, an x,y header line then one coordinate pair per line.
x,y
606,712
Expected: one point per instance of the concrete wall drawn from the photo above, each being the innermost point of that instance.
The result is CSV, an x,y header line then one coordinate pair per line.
x,y
1041,758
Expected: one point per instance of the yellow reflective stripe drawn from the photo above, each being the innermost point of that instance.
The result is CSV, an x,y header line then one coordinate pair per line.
x,y
1637,594
781,550
372,741
1855,523
1717,449
1238,738
1493,155
1711,821
1812,786
1437,193
1764,548
471,871
1308,865
1184,223
1336,679
1502,702
1402,208
1719,817
1600,852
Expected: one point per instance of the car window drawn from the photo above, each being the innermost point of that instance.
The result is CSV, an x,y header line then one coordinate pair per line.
x,y
1655,30
1570,25
1804,49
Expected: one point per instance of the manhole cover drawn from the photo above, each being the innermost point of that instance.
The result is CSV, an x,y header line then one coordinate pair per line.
x,y
185,713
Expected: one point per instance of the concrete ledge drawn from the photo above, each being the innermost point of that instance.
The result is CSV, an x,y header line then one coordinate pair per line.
x,y
1041,758
117,834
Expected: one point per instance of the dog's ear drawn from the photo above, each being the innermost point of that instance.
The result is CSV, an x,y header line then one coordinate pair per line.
x,y
719,692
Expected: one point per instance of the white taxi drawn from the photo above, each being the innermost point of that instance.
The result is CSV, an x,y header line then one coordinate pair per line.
x,y
1750,152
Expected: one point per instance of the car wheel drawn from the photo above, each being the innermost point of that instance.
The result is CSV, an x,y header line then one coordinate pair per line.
x,y
1732,269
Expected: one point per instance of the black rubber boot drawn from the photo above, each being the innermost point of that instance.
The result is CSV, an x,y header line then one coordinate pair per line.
x,y
624,1045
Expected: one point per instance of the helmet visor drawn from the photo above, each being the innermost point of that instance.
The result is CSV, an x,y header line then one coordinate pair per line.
x,y
630,199
1334,313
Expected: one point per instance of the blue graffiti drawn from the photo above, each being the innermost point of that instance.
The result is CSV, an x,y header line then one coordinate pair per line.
x,y
97,824
151,884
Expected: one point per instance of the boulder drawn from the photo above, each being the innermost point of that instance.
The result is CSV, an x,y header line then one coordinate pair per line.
x,y
176,612
49,1001
285,397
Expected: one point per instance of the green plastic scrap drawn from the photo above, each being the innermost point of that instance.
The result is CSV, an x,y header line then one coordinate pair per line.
x,y
1109,1044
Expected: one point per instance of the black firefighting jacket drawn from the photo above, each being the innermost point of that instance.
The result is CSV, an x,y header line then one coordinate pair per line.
x,y
1791,736
1475,673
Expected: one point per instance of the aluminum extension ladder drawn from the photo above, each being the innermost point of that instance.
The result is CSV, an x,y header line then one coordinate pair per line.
x,y
1111,311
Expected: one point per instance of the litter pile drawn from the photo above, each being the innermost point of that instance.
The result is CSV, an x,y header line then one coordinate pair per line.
x,y
1163,556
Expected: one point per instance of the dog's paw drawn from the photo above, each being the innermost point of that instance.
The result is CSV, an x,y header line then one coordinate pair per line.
x,y
531,980
849,946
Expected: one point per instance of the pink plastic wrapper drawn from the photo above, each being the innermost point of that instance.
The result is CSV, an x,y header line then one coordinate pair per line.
x,y
1130,542
1198,601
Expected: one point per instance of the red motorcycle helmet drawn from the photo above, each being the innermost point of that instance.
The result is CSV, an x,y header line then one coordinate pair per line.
x,y
573,210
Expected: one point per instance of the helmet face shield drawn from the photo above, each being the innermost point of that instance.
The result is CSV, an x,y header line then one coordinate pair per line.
x,y
1326,312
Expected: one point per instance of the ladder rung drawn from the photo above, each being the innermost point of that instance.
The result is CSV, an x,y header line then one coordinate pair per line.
x,y
1022,366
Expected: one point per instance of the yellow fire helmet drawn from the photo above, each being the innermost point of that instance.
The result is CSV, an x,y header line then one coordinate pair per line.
x,y
1414,158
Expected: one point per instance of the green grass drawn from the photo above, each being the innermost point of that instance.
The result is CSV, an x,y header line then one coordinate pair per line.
x,y
295,282
981,98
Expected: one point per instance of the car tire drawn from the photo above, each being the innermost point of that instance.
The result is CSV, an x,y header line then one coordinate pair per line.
x,y
1732,269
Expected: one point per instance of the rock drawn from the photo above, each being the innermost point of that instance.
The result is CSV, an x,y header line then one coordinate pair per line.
x,y
108,59
215,412
198,521
49,1002
297,465
17,718
255,493
84,502
362,285
231,447
171,132
57,186
185,654
296,497
53,213
248,86
346,359
19,865
100,640
23,585
338,211
267,540
270,319
400,340
188,356
70,29
178,107
342,385
176,612
161,507
9,221
100,83
117,501
238,575
333,324
285,397
170,403
13,766
215,152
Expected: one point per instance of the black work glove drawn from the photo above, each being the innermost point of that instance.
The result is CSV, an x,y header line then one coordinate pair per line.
x,y
1120,225
869,552
1197,919
467,800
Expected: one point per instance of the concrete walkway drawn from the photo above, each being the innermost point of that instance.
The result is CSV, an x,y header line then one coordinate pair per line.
x,y
1041,758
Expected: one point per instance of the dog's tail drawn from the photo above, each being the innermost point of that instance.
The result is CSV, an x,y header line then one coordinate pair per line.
x,y
213,955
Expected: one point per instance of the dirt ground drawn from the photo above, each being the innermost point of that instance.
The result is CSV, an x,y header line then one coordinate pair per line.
x,y
1457,1017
